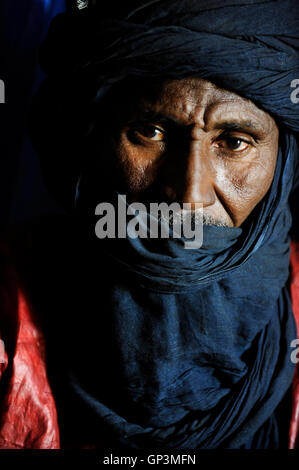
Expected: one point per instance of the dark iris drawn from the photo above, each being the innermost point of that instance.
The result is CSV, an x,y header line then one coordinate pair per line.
x,y
149,131
233,142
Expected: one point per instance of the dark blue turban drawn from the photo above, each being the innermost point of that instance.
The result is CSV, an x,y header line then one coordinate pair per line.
x,y
250,47
191,348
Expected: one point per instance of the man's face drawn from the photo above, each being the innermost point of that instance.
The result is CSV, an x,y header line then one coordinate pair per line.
x,y
188,141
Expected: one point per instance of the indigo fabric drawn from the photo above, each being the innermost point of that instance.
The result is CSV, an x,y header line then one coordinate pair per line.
x,y
250,47
191,347
197,341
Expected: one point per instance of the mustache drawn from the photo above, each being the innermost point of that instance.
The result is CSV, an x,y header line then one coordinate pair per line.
x,y
192,217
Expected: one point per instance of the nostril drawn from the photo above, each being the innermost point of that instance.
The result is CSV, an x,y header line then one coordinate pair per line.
x,y
199,191
191,180
196,196
196,179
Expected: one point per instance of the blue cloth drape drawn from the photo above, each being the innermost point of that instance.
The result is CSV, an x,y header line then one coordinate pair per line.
x,y
190,348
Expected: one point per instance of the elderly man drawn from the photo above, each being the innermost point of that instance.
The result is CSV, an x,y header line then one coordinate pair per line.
x,y
138,342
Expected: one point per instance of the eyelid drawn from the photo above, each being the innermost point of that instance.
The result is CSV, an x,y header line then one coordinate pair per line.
x,y
237,135
231,135
140,127
136,133
145,122
150,124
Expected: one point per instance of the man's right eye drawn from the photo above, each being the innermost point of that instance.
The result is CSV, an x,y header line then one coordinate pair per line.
x,y
149,132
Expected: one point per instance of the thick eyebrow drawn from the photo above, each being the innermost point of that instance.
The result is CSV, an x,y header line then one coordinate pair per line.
x,y
249,127
154,116
245,126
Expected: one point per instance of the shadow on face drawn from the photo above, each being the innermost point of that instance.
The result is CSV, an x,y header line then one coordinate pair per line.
x,y
189,141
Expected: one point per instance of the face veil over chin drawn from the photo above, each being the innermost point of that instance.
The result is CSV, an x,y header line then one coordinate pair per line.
x,y
198,350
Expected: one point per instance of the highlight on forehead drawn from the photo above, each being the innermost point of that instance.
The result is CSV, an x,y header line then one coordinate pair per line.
x,y
178,99
191,89
152,90
185,95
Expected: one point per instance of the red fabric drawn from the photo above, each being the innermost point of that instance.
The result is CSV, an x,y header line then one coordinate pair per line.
x,y
294,426
28,411
28,416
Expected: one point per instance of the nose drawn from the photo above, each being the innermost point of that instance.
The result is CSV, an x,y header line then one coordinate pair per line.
x,y
193,181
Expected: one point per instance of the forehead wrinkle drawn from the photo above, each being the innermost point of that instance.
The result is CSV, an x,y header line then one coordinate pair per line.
x,y
185,109
239,110
205,98
196,101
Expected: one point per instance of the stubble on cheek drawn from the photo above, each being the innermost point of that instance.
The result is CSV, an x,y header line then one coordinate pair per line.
x,y
136,167
249,185
132,171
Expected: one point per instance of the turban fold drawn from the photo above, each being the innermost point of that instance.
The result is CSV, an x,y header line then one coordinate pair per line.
x,y
198,343
250,47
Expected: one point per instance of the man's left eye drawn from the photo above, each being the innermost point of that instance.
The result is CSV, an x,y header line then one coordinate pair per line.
x,y
235,144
